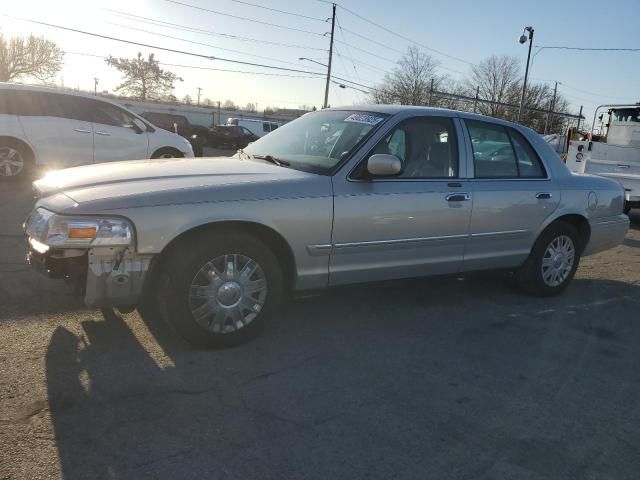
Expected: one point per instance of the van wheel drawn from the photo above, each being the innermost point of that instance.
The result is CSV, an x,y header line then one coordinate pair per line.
x,y
167,153
220,288
553,261
15,162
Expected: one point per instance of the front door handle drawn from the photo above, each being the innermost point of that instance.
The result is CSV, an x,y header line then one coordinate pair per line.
x,y
543,195
81,130
103,133
457,197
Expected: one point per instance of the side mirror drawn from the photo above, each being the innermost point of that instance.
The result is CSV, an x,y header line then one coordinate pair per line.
x,y
384,165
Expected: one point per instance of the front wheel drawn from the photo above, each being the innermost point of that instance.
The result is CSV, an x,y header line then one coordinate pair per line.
x,y
553,261
167,153
219,289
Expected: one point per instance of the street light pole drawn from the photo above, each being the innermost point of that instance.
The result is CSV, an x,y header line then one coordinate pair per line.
x,y
523,39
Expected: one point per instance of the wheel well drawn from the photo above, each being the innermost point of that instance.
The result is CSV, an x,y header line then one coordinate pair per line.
x,y
270,237
24,147
581,224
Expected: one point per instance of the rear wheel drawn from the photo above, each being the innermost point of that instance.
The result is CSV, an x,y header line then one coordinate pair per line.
x,y
219,289
14,161
553,261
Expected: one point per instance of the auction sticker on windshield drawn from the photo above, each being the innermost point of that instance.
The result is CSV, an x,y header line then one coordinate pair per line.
x,y
366,119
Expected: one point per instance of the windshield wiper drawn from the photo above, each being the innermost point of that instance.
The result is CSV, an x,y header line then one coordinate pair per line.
x,y
270,158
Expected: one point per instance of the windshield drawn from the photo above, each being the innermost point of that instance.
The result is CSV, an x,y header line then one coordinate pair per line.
x,y
317,142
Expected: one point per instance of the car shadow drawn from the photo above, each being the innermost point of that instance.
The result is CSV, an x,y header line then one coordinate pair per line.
x,y
358,382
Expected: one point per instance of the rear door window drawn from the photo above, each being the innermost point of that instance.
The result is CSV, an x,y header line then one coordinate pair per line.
x,y
502,152
493,154
529,164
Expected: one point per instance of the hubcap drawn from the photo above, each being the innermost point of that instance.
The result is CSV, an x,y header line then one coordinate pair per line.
x,y
11,162
557,261
227,293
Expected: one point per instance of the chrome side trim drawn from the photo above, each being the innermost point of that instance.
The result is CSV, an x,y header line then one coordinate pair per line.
x,y
497,234
319,250
396,241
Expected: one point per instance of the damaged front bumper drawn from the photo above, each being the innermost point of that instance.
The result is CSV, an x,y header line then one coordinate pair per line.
x,y
106,276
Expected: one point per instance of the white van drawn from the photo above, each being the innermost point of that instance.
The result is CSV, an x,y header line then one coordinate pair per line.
x,y
44,126
255,126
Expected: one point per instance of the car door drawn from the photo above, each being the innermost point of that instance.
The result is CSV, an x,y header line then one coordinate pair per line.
x,y
412,224
512,196
54,127
116,135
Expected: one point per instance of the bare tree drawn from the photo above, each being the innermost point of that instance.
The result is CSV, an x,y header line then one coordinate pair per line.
x,y
499,80
409,83
187,99
250,107
30,56
143,78
229,105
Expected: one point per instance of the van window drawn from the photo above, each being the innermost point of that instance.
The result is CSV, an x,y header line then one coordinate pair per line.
x,y
266,127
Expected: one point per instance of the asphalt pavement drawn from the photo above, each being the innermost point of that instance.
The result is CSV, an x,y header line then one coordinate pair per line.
x,y
443,378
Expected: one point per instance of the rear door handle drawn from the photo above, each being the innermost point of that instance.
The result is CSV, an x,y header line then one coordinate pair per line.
x,y
544,195
457,197
81,130
104,134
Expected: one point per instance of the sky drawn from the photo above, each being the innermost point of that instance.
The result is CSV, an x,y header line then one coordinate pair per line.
x,y
457,34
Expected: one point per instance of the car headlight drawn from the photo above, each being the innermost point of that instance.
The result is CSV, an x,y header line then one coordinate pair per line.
x,y
63,231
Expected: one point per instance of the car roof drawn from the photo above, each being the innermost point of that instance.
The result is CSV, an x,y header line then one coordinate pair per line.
x,y
59,91
417,109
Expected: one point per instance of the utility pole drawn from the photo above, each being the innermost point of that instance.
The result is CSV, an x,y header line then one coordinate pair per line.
x,y
218,112
552,105
579,118
475,102
95,85
431,92
326,88
199,90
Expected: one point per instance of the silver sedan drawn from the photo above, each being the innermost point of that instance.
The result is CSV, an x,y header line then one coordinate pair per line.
x,y
339,196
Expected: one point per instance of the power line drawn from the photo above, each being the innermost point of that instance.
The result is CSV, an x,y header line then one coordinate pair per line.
x,y
279,11
164,35
196,7
362,50
392,32
146,45
586,49
182,52
196,67
176,26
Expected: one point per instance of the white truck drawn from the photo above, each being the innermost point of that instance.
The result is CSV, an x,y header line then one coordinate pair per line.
x,y
614,152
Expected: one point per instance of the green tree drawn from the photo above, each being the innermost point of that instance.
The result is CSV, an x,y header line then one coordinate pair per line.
x,y
143,78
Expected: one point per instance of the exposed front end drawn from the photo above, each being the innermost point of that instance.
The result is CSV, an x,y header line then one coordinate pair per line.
x,y
95,254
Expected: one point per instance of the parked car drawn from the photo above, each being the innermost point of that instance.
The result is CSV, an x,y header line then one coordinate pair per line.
x,y
44,126
335,197
196,134
258,127
231,136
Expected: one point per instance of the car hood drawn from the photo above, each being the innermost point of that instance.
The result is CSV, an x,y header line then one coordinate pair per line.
x,y
142,183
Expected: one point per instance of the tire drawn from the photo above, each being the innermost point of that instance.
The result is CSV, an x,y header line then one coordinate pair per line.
x,y
204,298
15,161
167,153
552,278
